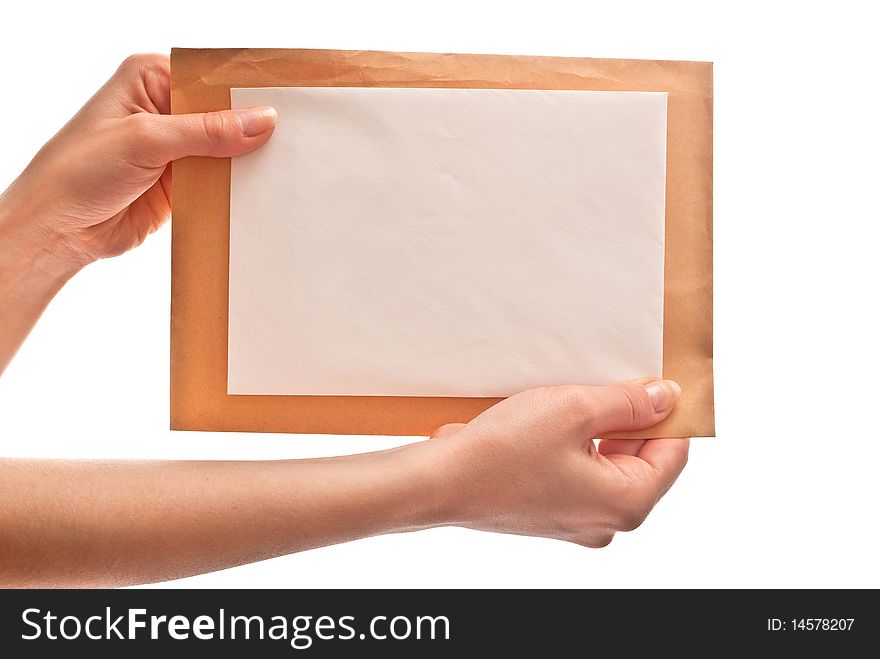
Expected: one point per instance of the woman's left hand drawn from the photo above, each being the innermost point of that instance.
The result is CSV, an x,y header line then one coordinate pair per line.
x,y
103,184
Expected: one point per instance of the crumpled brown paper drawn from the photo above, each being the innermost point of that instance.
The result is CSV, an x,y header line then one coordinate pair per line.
x,y
200,82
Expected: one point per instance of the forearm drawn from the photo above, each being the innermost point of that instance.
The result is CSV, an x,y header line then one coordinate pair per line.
x,y
66,523
34,265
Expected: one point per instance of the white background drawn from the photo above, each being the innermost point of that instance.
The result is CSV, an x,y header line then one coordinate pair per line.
x,y
788,493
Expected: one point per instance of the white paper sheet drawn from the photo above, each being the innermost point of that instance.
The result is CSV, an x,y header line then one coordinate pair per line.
x,y
447,242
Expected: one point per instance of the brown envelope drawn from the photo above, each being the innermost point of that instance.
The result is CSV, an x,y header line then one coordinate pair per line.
x,y
200,81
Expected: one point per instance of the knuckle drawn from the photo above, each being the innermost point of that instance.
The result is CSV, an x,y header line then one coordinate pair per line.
x,y
140,129
632,404
637,403
216,125
598,541
632,520
631,510
604,540
137,62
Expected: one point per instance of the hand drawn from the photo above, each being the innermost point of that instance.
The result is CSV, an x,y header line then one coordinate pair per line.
x,y
102,184
529,465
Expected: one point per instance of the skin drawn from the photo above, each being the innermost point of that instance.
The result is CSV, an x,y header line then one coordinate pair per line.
x,y
529,465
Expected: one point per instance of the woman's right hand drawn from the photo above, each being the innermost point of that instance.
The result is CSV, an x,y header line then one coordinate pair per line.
x,y
529,465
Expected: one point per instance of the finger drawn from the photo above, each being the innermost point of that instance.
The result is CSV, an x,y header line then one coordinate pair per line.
x,y
144,80
156,77
162,138
447,430
620,446
628,406
667,457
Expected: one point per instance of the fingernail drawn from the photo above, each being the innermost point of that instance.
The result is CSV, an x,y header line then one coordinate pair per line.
x,y
255,121
663,394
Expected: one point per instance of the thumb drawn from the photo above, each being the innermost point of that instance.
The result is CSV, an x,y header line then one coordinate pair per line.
x,y
218,134
630,405
447,430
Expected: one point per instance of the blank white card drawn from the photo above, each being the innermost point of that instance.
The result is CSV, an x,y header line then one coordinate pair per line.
x,y
447,242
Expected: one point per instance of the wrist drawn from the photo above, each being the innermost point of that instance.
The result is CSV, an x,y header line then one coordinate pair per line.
x,y
407,485
432,466
31,249
34,265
